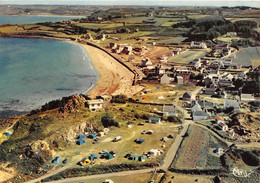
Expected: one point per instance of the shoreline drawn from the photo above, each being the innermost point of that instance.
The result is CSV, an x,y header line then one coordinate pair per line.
x,y
114,78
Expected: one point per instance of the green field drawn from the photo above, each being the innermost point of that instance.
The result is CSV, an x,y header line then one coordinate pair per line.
x,y
188,56
138,178
248,56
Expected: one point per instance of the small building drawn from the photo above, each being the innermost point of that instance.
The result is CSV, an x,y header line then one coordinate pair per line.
x,y
186,96
231,103
56,160
223,126
196,107
155,120
231,34
247,97
169,110
184,73
94,105
160,70
198,45
180,80
165,79
200,115
219,119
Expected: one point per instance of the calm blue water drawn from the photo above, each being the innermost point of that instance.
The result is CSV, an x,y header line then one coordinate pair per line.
x,y
35,71
32,19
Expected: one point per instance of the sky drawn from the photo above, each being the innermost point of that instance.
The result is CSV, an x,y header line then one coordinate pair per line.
x,y
252,3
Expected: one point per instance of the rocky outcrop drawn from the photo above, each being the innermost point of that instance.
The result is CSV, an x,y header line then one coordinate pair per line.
x,y
76,102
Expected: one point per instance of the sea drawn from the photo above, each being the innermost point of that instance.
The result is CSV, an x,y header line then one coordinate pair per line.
x,y
36,71
12,20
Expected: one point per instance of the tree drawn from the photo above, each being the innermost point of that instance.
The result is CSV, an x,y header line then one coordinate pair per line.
x,y
108,121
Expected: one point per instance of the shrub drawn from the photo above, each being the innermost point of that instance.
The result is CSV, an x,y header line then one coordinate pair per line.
x,y
119,99
108,121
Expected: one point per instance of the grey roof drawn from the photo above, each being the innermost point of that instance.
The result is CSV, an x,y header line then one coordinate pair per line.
x,y
200,113
169,108
231,103
187,95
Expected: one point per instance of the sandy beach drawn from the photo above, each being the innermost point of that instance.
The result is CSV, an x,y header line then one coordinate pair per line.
x,y
114,78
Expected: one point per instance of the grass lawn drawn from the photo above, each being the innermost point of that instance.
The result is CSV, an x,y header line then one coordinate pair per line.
x,y
127,145
181,178
138,178
188,56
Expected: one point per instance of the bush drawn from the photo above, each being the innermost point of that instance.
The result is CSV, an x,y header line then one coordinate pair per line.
x,y
250,158
173,119
119,99
108,121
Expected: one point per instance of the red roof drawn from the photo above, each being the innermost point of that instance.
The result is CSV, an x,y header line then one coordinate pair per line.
x,y
222,124
219,118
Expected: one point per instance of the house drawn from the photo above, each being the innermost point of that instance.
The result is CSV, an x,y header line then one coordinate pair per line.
x,y
56,160
209,91
225,81
219,119
247,97
155,120
160,70
198,45
184,73
223,126
94,105
200,115
165,79
231,34
231,103
127,50
196,107
180,80
186,96
155,152
169,110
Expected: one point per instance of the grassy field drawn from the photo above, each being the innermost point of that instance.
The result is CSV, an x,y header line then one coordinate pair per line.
x,y
248,56
188,56
198,155
138,178
181,178
127,145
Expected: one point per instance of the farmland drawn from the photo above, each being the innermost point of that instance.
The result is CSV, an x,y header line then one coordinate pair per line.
x,y
139,178
248,56
192,153
188,56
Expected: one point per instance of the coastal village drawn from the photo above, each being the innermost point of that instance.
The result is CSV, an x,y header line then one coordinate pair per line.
x,y
171,110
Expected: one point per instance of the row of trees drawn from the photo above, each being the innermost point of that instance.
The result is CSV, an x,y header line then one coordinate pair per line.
x,y
210,29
